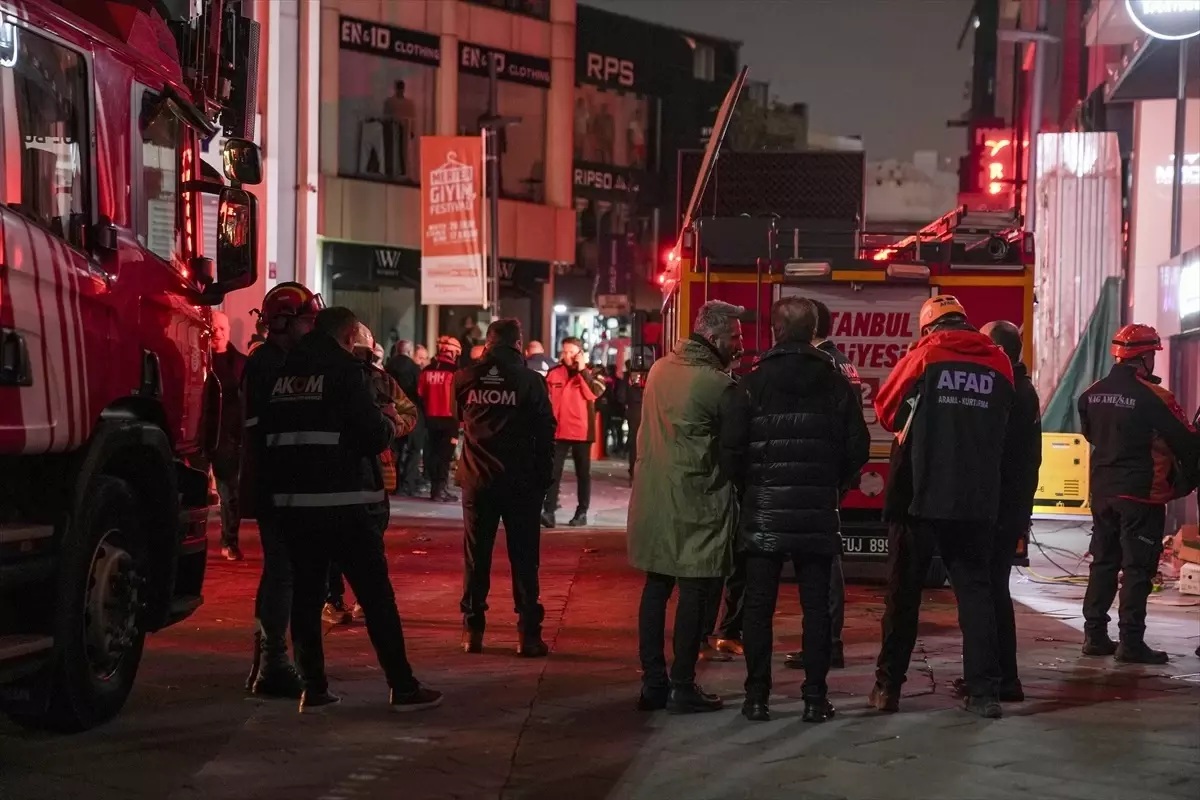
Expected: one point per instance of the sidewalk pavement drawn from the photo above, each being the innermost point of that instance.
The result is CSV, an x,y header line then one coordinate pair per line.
x,y
563,727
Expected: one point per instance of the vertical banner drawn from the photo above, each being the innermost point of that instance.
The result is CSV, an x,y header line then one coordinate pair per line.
x,y
452,267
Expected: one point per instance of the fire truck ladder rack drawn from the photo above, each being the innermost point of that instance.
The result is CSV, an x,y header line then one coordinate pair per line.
x,y
966,233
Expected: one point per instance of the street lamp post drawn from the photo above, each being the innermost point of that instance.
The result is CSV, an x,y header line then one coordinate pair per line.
x,y
491,125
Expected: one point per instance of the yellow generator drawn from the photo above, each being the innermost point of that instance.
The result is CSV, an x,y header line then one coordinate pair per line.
x,y
1063,489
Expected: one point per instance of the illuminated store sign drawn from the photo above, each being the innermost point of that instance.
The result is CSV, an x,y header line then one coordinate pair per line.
x,y
1164,174
1166,19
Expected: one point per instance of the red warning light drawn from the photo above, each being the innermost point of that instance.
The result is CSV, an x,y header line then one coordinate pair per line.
x,y
884,254
662,278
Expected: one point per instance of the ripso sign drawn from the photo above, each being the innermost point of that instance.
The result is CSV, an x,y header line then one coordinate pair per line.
x,y
1166,19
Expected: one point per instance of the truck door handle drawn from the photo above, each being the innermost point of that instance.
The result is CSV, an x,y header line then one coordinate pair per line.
x,y
14,360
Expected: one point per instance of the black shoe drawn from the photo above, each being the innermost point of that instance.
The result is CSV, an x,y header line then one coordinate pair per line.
x,y
710,653
885,699
652,699
986,707
756,710
1098,645
548,520
689,698
794,660
231,552
417,699
532,646
472,641
818,710
278,681
1139,653
579,520
311,702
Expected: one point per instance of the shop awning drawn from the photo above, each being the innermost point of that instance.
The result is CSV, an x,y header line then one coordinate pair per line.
x,y
1152,72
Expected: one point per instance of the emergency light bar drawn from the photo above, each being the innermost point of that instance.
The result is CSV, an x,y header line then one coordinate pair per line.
x,y
908,272
807,269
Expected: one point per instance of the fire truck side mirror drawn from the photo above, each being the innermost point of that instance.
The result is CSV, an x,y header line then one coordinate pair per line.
x,y
237,241
242,161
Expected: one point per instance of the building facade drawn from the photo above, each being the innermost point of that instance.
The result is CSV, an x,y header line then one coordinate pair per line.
x,y
643,93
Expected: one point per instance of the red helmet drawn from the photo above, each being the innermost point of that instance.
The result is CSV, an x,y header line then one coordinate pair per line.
x,y
1134,340
288,300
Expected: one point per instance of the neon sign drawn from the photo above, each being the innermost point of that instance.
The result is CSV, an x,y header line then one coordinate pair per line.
x,y
1166,19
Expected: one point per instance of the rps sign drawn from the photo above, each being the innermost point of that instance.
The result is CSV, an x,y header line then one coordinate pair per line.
x,y
606,69
1166,19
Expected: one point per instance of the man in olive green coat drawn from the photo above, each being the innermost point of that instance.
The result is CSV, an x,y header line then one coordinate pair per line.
x,y
683,510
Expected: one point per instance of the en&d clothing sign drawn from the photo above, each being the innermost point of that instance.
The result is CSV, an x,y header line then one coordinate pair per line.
x,y
452,271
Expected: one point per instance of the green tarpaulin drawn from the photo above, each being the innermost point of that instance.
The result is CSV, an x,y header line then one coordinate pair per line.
x,y
1090,361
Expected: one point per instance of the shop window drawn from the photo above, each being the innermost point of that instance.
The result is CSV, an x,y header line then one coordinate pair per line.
x,y
43,103
158,219
384,106
612,128
523,145
704,62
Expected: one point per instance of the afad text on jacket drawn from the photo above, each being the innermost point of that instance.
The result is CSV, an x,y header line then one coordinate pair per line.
x,y
573,396
1145,449
950,399
323,433
805,440
508,425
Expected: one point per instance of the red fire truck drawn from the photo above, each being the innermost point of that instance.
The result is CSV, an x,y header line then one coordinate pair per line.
x,y
108,409
767,225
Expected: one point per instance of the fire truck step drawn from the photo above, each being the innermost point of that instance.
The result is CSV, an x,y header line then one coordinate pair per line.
x,y
20,645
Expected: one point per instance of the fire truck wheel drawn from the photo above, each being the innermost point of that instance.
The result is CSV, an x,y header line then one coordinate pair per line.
x,y
98,621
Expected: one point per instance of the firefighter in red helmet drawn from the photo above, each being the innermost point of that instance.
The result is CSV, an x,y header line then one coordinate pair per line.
x,y
289,311
1145,454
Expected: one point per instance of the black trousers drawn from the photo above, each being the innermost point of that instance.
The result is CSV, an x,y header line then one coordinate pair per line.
x,y
635,422
734,604
409,463
337,586
762,592
273,601
1126,537
694,594
483,510
225,474
440,452
581,455
966,549
837,600
1004,544
315,540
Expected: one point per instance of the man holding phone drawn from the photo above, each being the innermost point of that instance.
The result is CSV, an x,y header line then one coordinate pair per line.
x,y
573,392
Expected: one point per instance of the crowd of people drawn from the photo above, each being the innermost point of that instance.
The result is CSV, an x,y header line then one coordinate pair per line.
x,y
735,477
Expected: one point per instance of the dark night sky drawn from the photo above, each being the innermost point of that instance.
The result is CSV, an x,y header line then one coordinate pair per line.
x,y
885,69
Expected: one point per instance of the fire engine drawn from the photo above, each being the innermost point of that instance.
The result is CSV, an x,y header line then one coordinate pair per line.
x,y
784,224
108,409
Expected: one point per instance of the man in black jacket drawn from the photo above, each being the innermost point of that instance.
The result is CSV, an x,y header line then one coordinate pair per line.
x,y
506,466
1018,484
837,580
324,432
803,440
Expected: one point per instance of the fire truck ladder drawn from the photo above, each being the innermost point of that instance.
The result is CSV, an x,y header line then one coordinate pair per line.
x,y
988,231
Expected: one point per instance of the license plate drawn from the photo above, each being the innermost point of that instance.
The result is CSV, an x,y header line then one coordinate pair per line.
x,y
865,545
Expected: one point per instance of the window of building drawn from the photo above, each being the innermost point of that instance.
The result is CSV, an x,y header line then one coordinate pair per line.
x,y
613,128
530,8
522,145
704,62
162,139
384,106
43,111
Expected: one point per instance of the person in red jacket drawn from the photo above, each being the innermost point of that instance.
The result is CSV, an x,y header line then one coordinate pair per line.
x,y
1145,455
950,398
573,392
436,389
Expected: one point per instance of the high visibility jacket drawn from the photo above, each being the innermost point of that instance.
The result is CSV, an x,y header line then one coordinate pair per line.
x,y
436,389
573,396
323,433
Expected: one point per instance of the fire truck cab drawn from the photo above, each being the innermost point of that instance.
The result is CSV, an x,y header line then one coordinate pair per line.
x,y
108,409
